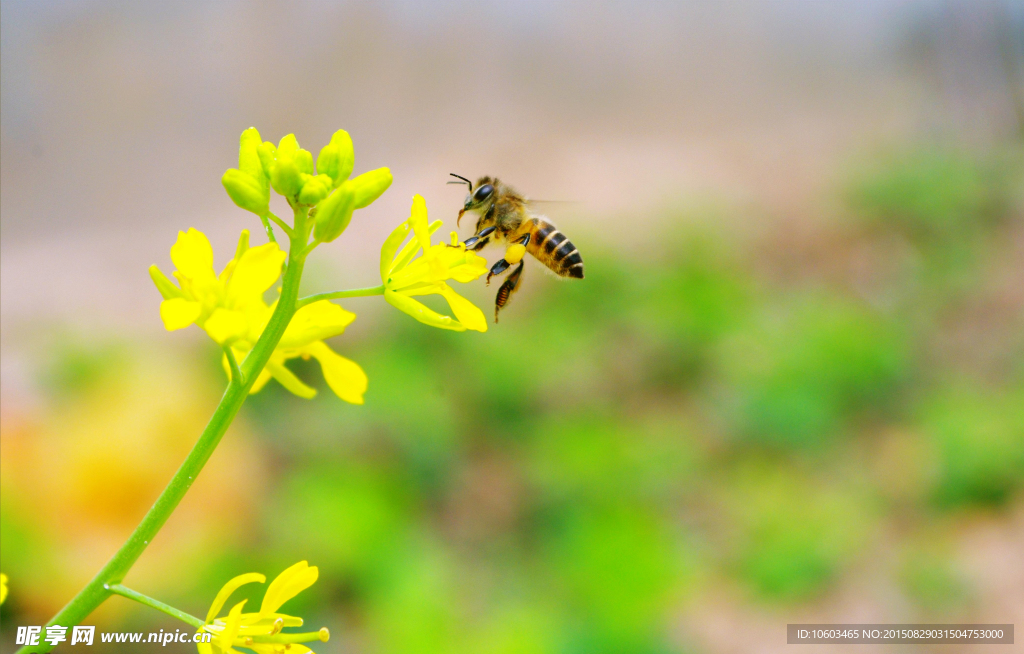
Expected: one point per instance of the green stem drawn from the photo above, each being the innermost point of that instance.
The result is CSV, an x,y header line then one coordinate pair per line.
x,y
280,223
98,590
269,229
236,374
335,295
310,248
124,591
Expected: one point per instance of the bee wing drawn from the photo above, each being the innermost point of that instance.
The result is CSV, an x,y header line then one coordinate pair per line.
x,y
554,208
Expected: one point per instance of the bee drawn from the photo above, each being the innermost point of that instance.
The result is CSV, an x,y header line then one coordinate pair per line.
x,y
505,217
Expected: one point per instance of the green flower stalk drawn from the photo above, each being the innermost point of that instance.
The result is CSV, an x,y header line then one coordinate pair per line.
x,y
257,339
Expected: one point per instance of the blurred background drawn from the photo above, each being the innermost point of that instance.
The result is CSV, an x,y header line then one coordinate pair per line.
x,y
790,389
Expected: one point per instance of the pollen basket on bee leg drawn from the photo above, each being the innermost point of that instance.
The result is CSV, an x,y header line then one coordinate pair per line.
x,y
515,253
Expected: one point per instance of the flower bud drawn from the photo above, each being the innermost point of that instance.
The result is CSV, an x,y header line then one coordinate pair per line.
x,y
337,158
285,174
304,160
267,152
248,157
315,189
248,193
334,214
370,185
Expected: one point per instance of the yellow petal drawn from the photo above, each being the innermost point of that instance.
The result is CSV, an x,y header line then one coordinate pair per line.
x,y
344,376
192,255
470,270
166,287
243,244
315,322
204,648
225,325
274,648
178,313
288,379
227,637
287,585
230,587
462,266
263,623
467,313
255,272
423,270
421,312
225,274
418,220
410,249
387,251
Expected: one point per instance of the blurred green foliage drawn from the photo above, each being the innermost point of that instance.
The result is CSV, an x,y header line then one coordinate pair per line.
x,y
807,365
616,447
794,535
929,576
932,192
979,438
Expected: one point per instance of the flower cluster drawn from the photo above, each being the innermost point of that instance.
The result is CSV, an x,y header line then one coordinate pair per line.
x,y
231,309
289,170
261,632
230,305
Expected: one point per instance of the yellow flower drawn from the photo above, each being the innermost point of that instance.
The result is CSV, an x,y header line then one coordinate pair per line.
x,y
405,277
304,338
261,631
231,309
3,588
224,305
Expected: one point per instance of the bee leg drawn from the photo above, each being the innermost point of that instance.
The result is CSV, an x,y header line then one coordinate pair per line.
x,y
507,289
479,245
499,267
479,238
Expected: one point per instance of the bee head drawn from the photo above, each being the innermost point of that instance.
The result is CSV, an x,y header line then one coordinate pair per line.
x,y
480,196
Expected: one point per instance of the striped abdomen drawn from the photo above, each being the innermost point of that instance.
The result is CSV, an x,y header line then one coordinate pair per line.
x,y
553,249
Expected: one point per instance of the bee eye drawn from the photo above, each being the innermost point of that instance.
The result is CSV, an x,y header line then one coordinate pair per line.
x,y
483,193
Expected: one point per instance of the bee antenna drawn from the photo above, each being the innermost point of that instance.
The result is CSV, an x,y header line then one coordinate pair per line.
x,y
464,181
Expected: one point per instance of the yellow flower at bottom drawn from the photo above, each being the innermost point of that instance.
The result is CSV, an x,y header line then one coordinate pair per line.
x,y
405,277
3,588
261,631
